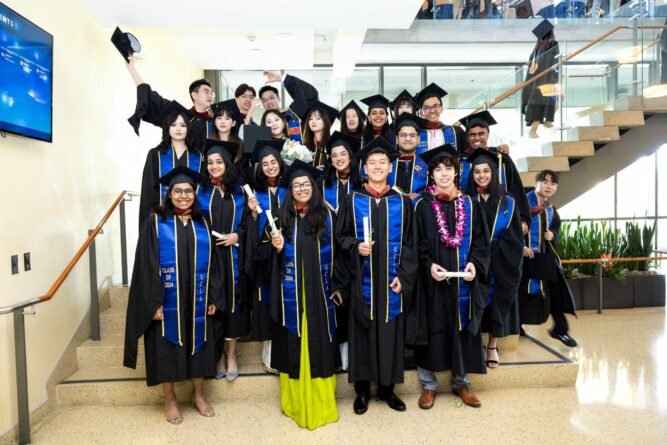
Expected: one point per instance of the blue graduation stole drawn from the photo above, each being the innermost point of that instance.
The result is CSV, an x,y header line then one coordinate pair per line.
x,y
205,199
535,238
394,241
418,175
167,162
465,308
264,199
448,132
168,246
330,194
501,223
292,280
293,126
466,170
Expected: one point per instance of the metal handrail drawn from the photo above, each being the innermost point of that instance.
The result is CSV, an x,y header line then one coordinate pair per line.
x,y
17,309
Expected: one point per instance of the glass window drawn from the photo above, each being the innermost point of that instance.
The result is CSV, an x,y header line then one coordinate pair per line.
x,y
662,180
598,202
397,79
636,188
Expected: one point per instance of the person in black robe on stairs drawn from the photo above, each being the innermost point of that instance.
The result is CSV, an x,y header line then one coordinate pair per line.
x,y
376,230
452,238
173,295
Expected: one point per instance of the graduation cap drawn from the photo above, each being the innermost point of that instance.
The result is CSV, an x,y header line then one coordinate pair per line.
x,y
172,108
179,175
376,101
482,156
298,169
446,150
350,142
223,148
331,112
267,147
409,120
403,95
433,90
544,28
483,117
379,145
352,105
125,43
230,104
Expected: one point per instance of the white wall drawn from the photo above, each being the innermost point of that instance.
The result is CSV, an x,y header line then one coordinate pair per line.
x,y
53,193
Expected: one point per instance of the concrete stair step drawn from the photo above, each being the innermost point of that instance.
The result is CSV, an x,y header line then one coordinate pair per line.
x,y
528,178
538,163
602,107
605,133
625,103
655,104
112,321
571,149
622,119
118,296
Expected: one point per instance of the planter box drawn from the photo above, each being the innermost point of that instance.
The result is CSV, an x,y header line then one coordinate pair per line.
x,y
635,291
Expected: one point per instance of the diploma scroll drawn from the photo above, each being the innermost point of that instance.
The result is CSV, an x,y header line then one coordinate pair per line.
x,y
367,230
220,235
248,191
269,218
458,274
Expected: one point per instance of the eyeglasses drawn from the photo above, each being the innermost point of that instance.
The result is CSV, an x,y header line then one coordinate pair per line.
x,y
305,186
247,96
407,135
181,192
432,108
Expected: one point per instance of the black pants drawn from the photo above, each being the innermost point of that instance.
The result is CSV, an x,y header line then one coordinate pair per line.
x,y
556,309
364,387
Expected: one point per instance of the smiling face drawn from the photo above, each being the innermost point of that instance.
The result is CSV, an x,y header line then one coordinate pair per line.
x,y
546,188
224,123
302,190
270,166
443,176
178,129
377,117
378,167
244,101
340,158
481,174
478,137
431,109
270,100
215,165
182,196
408,139
351,120
315,122
275,123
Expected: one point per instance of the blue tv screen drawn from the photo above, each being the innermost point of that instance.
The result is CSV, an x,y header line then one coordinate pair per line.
x,y
26,77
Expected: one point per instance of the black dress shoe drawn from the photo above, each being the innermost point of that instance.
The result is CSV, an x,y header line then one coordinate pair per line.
x,y
394,402
564,338
361,403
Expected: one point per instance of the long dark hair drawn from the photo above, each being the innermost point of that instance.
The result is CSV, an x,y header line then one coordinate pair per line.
x,y
166,210
360,127
233,132
399,104
369,133
260,181
164,145
229,177
317,213
282,118
330,171
543,43
309,136
447,161
496,191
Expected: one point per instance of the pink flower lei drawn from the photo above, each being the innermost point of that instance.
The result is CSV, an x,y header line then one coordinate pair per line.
x,y
446,237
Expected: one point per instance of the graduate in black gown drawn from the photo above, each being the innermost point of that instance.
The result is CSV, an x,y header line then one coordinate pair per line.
x,y
501,315
403,103
176,148
175,290
410,169
544,289
352,120
378,120
452,238
227,121
268,195
303,269
383,273
317,129
478,131
223,203
436,133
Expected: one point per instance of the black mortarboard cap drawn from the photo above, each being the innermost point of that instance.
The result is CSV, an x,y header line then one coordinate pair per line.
x,y
376,101
409,120
442,150
179,175
379,145
543,29
266,147
175,107
125,43
482,156
403,95
433,90
331,112
230,104
350,142
298,169
483,116
224,148
352,105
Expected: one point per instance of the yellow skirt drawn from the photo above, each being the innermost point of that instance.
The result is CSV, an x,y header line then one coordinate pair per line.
x,y
311,402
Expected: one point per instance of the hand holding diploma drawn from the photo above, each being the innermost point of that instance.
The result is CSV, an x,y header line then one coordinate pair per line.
x,y
253,203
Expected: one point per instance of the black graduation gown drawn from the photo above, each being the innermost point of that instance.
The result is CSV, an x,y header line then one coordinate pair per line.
x,y
448,347
501,317
286,346
534,106
375,346
302,94
150,189
230,324
165,361
150,106
535,309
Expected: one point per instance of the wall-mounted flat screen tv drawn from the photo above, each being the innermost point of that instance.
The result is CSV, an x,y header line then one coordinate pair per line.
x,y
26,77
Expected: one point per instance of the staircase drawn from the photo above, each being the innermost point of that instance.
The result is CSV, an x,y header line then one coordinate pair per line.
x,y
596,127
101,379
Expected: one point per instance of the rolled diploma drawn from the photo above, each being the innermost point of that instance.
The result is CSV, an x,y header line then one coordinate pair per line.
x,y
367,230
220,235
458,274
269,218
248,191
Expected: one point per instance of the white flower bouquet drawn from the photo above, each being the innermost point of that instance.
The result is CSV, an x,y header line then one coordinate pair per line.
x,y
293,150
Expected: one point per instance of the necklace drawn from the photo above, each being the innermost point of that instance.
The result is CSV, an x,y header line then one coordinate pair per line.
x,y
447,239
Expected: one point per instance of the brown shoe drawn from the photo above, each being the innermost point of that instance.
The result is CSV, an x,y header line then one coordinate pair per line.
x,y
467,396
427,399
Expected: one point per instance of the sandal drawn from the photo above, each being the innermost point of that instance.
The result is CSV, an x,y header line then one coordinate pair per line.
x,y
492,362
206,412
233,375
176,419
221,374
270,370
